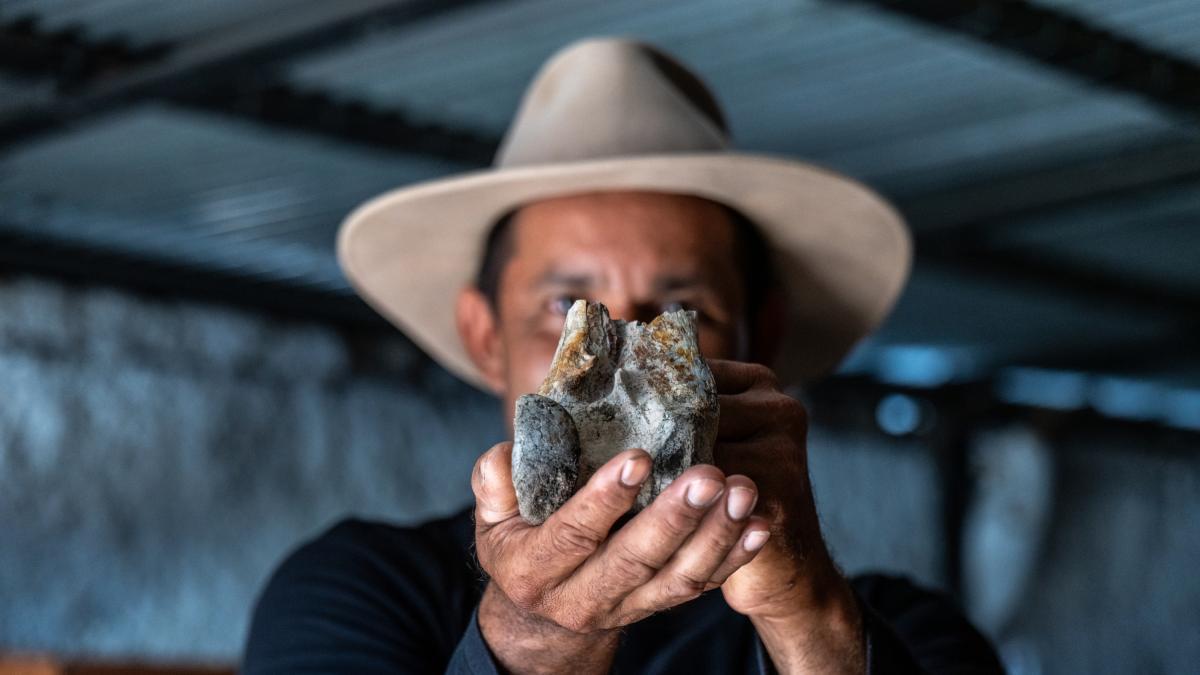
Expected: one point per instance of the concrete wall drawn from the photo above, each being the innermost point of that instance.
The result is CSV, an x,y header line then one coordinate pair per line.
x,y
157,458
1116,587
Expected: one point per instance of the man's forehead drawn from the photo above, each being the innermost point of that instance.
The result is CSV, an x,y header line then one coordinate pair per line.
x,y
558,254
663,280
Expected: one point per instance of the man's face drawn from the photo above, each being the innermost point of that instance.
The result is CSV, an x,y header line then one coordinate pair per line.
x,y
638,253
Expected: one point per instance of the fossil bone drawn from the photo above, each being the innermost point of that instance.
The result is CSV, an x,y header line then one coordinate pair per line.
x,y
613,385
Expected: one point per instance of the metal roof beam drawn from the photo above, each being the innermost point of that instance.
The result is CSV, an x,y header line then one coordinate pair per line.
x,y
972,210
252,50
1068,44
22,253
66,56
316,113
1035,272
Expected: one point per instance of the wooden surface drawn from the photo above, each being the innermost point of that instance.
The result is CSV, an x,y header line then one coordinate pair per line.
x,y
41,665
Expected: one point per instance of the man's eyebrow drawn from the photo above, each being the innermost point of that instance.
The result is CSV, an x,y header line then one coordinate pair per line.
x,y
677,282
567,279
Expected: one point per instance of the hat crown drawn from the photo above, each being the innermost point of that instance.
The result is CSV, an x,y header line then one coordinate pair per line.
x,y
611,97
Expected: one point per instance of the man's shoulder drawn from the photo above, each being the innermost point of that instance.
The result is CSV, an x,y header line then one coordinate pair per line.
x,y
365,590
383,550
379,563
449,533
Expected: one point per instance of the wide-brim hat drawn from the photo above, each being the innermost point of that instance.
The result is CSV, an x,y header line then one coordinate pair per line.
x,y
615,114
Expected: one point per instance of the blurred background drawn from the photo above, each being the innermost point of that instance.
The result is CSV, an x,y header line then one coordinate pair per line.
x,y
189,388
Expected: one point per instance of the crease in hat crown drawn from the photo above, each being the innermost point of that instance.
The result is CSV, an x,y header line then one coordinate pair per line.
x,y
603,98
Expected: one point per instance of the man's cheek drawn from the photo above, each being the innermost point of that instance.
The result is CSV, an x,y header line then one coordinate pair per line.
x,y
715,344
534,368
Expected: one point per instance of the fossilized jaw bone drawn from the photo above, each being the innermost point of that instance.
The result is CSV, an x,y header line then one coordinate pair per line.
x,y
613,385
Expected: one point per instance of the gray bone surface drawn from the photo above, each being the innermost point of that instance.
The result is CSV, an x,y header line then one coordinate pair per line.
x,y
613,385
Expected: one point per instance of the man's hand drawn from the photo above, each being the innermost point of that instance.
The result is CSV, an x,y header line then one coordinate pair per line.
x,y
801,606
558,590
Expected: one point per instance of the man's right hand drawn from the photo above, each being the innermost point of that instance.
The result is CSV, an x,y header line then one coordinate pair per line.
x,y
558,590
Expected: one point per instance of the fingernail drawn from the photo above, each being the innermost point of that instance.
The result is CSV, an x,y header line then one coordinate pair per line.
x,y
755,540
634,471
741,502
702,492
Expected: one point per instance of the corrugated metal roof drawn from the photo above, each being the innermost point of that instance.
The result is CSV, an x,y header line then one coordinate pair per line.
x,y
909,108
144,22
990,323
1152,236
186,186
886,100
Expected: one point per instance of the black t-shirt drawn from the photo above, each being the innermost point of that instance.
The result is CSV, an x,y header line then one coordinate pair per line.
x,y
374,598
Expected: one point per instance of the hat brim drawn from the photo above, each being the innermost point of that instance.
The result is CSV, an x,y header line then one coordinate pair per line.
x,y
841,251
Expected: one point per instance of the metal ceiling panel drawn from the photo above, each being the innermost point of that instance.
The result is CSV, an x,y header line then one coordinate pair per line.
x,y
184,186
902,105
1153,236
16,93
978,324
887,100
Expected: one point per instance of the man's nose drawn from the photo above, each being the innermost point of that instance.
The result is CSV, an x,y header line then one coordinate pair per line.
x,y
627,309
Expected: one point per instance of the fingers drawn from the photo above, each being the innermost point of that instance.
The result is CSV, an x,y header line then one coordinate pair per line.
x,y
570,570
529,561
699,557
637,552
491,481
497,518
757,410
754,537
735,377
708,557
578,528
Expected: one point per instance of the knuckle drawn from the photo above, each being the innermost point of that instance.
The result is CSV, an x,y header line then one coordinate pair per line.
x,y
525,593
490,541
573,539
483,554
680,521
682,587
609,499
576,621
477,477
726,535
627,616
789,410
763,376
632,562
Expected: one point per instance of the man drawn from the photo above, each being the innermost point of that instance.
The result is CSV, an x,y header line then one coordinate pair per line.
x,y
615,184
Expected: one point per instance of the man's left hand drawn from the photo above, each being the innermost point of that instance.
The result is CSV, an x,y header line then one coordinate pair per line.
x,y
802,607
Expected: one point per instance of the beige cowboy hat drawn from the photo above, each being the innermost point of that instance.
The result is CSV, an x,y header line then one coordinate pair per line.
x,y
616,114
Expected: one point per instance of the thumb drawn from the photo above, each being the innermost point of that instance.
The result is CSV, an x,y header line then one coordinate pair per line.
x,y
495,497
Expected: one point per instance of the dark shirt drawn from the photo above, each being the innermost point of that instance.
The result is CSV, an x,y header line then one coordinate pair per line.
x,y
374,598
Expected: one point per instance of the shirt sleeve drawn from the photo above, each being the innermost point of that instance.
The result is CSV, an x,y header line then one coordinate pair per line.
x,y
372,600
472,656
910,630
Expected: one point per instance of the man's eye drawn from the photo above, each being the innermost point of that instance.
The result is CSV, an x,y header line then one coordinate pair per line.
x,y
676,305
561,305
